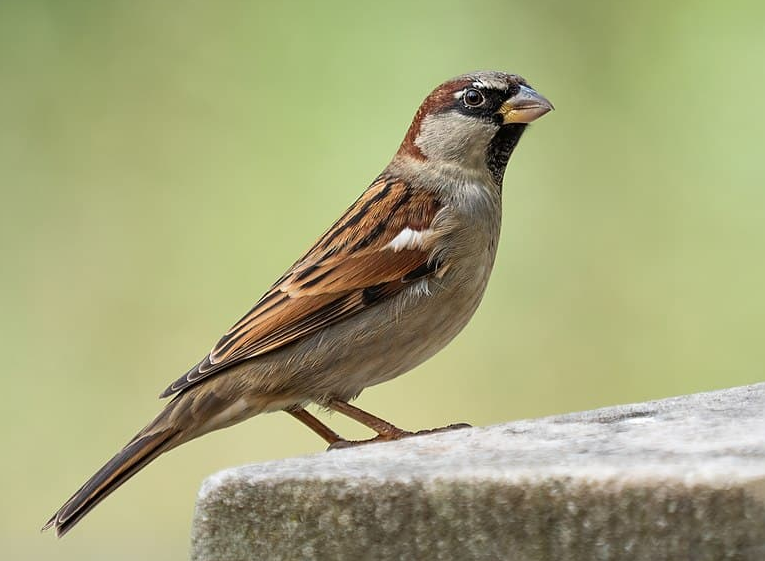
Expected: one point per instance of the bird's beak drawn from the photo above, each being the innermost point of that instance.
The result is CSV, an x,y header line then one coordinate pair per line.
x,y
525,106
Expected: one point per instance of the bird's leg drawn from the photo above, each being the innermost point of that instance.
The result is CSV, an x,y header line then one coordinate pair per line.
x,y
384,429
316,426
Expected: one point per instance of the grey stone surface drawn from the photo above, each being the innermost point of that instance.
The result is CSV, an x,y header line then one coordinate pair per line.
x,y
677,479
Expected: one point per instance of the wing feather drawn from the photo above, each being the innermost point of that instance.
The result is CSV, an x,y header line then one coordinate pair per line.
x,y
350,268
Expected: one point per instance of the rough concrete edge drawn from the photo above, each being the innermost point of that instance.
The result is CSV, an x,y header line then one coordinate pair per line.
x,y
753,478
753,483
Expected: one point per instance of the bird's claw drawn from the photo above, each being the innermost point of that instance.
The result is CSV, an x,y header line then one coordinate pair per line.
x,y
453,426
341,444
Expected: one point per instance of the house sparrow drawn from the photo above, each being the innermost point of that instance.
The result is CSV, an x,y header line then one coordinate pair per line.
x,y
384,289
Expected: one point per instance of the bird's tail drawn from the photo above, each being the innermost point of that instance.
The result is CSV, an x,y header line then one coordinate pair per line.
x,y
158,437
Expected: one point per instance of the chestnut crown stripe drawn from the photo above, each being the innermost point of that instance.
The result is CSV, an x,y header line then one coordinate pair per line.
x,y
351,267
441,98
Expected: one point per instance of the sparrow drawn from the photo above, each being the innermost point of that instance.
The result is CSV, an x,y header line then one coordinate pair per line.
x,y
387,286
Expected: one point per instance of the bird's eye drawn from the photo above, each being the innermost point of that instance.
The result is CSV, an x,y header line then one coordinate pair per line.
x,y
473,98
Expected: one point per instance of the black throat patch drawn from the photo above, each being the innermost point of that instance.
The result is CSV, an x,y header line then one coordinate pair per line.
x,y
501,148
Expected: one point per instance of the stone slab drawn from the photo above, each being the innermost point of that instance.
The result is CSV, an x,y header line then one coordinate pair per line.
x,y
675,479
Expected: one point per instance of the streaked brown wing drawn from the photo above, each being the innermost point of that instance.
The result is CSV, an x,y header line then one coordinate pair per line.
x,y
348,270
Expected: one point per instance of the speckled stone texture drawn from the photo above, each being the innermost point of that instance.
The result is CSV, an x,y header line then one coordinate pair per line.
x,y
680,479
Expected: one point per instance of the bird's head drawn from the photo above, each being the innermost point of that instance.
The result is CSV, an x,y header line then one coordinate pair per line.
x,y
474,121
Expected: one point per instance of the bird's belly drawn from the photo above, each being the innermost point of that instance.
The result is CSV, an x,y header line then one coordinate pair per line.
x,y
376,345
401,345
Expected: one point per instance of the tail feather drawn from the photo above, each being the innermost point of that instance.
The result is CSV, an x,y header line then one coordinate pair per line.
x,y
144,448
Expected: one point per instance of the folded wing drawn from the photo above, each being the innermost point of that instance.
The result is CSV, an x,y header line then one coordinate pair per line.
x,y
384,241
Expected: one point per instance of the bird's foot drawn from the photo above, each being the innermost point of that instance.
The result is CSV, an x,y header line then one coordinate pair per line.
x,y
453,426
342,443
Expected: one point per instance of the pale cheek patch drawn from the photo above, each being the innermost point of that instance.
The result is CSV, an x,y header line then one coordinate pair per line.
x,y
409,239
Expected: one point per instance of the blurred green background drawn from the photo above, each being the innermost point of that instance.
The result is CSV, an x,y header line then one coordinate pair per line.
x,y
162,163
